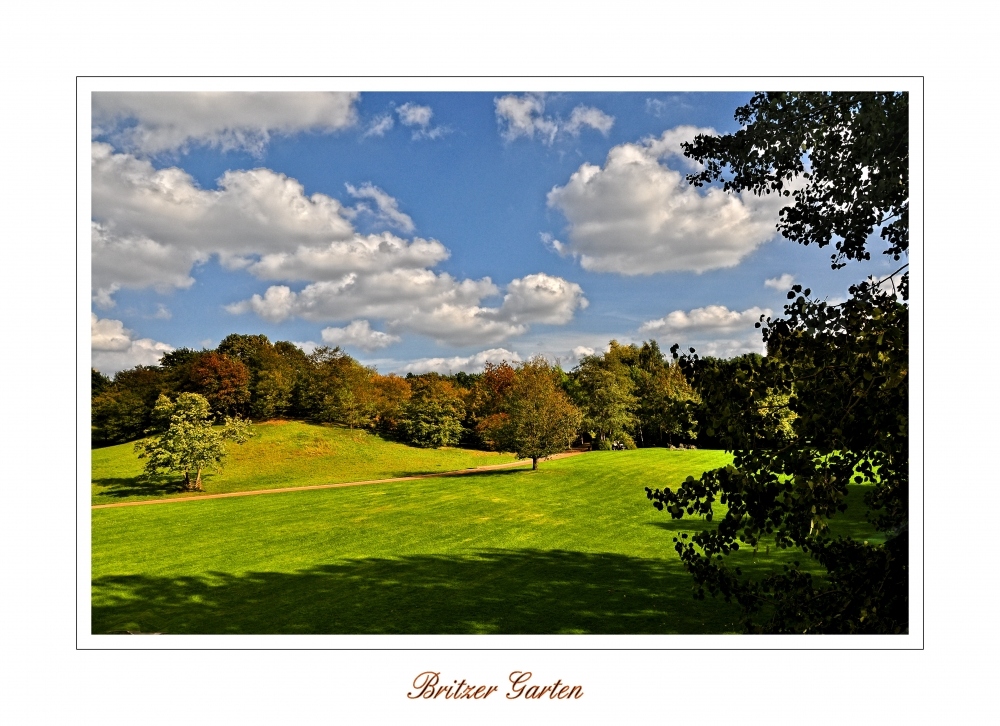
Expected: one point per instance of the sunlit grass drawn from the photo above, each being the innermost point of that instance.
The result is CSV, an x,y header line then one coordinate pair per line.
x,y
284,454
574,547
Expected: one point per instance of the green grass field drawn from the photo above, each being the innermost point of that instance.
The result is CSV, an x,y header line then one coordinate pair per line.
x,y
284,454
574,547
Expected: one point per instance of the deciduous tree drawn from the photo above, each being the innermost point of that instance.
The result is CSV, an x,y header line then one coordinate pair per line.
x,y
535,417
607,399
433,414
189,443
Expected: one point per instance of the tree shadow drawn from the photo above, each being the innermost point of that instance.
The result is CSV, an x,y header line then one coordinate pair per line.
x,y
489,472
683,525
489,591
120,487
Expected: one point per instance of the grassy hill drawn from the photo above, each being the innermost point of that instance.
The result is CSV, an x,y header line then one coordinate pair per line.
x,y
284,454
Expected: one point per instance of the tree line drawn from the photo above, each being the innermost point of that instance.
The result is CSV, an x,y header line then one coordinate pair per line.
x,y
627,397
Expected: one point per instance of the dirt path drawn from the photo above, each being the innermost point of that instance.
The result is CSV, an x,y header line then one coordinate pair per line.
x,y
459,472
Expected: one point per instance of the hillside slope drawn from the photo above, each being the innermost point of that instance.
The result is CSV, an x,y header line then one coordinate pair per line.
x,y
284,454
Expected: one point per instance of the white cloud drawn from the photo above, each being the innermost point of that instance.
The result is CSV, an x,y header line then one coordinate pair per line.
x,y
712,318
151,226
379,126
359,334
470,364
387,208
668,144
411,114
306,347
424,302
250,211
589,116
525,116
151,123
360,254
542,298
782,283
553,244
114,347
636,215
656,106
711,330
136,261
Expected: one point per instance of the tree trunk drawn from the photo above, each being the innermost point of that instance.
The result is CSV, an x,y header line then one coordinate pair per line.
x,y
534,463
197,482
187,481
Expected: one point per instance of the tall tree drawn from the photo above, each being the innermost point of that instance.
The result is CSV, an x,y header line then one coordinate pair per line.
x,y
842,159
433,415
535,417
607,399
485,402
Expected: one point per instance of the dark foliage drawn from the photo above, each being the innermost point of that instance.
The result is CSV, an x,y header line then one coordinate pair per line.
x,y
841,158
828,405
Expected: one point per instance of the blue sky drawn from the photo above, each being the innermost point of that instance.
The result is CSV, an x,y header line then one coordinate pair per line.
x,y
428,231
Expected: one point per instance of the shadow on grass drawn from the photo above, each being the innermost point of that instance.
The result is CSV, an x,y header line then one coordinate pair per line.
x,y
137,487
491,591
489,472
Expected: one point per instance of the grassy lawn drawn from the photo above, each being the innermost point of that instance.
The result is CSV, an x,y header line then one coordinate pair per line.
x,y
572,548
284,454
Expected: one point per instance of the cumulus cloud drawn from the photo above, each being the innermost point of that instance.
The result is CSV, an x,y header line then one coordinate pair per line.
x,y
712,318
249,212
469,364
156,122
637,216
712,330
360,335
525,116
782,283
542,298
114,347
133,260
421,301
360,254
386,207
567,359
151,226
419,117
